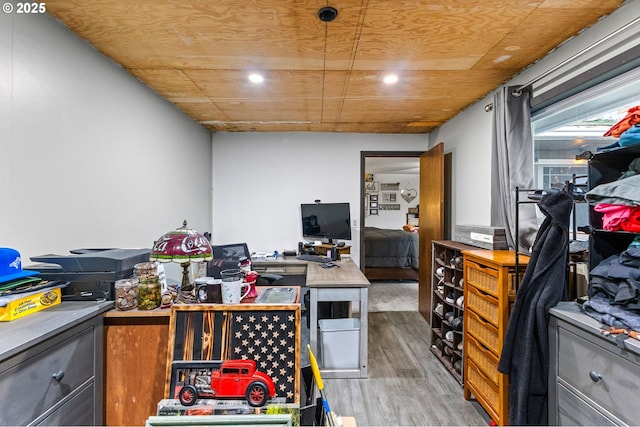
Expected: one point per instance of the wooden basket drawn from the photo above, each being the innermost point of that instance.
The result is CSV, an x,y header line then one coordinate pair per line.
x,y
483,358
482,386
485,304
484,332
481,277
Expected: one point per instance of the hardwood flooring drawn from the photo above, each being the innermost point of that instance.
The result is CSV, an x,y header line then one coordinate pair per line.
x,y
406,385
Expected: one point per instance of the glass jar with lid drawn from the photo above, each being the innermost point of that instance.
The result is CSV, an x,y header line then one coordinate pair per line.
x,y
149,287
126,291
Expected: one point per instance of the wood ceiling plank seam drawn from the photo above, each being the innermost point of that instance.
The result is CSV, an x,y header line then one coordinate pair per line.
x,y
504,37
364,5
205,94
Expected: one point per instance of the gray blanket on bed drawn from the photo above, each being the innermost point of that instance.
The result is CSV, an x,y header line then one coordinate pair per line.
x,y
390,248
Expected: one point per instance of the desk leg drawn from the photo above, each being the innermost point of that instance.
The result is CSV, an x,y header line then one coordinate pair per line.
x,y
313,320
364,331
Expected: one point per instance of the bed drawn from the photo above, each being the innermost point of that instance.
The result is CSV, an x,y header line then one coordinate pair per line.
x,y
390,254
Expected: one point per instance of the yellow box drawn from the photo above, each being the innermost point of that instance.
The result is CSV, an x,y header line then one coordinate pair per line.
x,y
26,305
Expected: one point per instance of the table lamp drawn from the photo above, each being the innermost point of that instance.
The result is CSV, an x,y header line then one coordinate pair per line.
x,y
182,245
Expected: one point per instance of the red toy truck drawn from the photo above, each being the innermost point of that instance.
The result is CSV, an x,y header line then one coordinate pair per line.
x,y
236,379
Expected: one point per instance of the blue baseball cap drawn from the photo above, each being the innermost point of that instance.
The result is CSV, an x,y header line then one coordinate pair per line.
x,y
11,266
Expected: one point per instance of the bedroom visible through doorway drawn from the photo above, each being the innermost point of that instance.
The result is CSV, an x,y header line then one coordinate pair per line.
x,y
390,215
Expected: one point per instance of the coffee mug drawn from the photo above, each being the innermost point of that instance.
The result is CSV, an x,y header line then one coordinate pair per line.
x,y
210,292
232,284
232,291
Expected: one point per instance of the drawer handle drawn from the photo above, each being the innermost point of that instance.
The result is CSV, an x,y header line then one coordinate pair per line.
x,y
483,268
595,377
58,376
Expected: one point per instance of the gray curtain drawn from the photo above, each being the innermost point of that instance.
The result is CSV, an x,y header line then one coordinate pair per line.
x,y
512,166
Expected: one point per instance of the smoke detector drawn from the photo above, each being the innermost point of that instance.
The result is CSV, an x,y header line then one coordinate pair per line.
x,y
327,14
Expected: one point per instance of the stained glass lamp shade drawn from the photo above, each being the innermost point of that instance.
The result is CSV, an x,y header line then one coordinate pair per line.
x,y
183,246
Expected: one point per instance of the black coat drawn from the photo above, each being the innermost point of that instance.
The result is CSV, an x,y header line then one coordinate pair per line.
x,y
525,353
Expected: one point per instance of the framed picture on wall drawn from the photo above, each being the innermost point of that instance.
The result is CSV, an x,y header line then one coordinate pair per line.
x,y
373,186
373,211
388,197
373,197
373,205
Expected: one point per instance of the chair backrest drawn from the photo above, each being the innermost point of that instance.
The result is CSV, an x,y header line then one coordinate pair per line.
x,y
225,257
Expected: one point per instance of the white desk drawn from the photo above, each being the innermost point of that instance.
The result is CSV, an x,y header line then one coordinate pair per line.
x,y
344,283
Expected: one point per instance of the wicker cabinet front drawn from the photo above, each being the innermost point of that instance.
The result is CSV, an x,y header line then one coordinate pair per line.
x,y
489,292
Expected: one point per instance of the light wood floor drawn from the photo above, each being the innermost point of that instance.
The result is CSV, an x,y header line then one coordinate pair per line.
x,y
407,386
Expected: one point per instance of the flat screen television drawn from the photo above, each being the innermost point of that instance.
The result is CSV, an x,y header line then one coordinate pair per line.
x,y
326,221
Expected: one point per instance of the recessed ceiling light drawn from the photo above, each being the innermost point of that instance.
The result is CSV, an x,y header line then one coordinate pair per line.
x,y
256,78
390,79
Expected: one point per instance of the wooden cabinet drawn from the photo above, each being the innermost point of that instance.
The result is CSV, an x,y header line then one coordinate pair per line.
x,y
447,305
51,366
489,292
136,354
593,379
135,364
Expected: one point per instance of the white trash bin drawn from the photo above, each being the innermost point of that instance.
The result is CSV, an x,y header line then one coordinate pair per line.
x,y
340,343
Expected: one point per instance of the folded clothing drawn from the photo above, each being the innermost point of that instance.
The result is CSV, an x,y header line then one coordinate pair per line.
x,y
602,310
630,137
619,217
620,192
631,118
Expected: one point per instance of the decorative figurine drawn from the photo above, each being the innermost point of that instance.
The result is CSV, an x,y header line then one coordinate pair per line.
x,y
236,379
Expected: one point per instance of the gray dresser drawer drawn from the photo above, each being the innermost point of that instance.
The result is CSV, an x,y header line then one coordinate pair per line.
x,y
77,410
26,381
574,411
597,369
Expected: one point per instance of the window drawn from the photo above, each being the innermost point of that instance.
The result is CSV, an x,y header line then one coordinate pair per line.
x,y
574,125
577,124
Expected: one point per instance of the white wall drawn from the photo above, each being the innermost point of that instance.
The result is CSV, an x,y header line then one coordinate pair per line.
x,y
260,180
394,219
89,156
468,135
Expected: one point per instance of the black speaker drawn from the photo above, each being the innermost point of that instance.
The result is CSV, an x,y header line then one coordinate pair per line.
x,y
300,247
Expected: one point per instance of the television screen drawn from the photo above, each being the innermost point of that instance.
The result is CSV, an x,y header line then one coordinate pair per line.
x,y
328,221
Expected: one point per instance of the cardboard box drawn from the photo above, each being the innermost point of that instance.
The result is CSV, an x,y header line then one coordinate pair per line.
x,y
22,305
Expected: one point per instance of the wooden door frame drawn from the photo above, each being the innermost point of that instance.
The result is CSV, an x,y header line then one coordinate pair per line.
x,y
363,158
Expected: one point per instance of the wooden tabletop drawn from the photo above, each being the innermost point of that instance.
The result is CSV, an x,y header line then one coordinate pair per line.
x,y
166,312
502,257
347,275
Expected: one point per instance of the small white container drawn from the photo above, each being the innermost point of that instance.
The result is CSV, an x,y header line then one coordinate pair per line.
x,y
340,343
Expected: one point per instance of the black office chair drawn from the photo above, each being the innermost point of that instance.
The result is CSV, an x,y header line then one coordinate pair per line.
x,y
228,256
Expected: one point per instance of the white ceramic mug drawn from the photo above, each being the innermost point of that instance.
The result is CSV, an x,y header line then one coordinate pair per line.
x,y
232,291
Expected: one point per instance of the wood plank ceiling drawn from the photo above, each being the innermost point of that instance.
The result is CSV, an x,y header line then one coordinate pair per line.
x,y
322,76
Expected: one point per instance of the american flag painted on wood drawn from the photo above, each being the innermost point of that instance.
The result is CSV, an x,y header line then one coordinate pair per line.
x,y
268,334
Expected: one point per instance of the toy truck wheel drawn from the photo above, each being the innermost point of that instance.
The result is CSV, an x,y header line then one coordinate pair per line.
x,y
257,394
188,395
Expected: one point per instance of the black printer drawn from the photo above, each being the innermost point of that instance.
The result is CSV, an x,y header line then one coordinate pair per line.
x,y
91,272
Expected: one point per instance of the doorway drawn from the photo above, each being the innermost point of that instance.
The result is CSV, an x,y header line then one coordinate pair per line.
x,y
389,201
431,183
